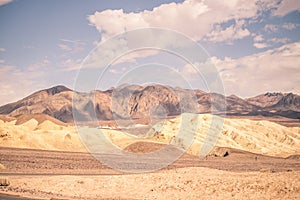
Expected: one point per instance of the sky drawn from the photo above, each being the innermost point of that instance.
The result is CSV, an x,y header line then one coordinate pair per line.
x,y
254,46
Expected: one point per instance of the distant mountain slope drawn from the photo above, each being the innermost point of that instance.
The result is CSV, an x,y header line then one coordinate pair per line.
x,y
33,99
287,102
265,100
132,101
55,102
282,104
40,118
277,101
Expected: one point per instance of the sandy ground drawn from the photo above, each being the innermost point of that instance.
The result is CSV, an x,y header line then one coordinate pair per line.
x,y
184,183
67,175
39,162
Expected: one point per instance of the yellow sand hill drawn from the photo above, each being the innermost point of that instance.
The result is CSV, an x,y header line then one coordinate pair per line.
x,y
262,137
39,133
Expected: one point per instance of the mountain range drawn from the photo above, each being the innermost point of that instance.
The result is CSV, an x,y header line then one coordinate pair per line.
x,y
139,102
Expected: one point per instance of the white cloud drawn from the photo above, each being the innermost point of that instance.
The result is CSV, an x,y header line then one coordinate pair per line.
x,y
259,42
272,70
72,46
117,71
258,38
2,49
279,40
271,28
192,17
104,54
199,71
287,6
189,72
198,19
18,83
275,27
38,65
260,45
129,47
229,34
71,64
3,2
64,47
132,56
72,41
290,26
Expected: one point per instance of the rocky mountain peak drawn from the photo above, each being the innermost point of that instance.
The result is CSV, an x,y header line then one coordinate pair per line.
x,y
57,89
272,94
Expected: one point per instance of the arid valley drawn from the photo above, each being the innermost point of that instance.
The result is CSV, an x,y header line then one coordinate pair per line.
x,y
149,100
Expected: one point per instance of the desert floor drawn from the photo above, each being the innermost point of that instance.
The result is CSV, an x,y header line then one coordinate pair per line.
x,y
66,175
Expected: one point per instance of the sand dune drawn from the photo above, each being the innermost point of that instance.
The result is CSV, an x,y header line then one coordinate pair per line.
x,y
261,137
40,118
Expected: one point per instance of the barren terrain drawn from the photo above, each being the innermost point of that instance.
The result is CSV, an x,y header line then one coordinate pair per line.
x,y
253,159
67,175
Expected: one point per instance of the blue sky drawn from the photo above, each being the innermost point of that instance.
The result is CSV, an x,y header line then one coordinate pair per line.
x,y
254,45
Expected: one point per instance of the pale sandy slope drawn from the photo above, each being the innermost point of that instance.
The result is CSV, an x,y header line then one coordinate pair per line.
x,y
261,137
46,135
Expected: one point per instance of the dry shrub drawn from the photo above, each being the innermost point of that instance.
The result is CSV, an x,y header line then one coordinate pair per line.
x,y
268,170
2,166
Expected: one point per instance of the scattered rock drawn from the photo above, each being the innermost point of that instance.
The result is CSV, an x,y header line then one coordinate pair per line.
x,y
3,135
267,170
4,182
68,137
219,152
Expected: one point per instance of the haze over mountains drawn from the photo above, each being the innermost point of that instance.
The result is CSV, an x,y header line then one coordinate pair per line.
x,y
131,101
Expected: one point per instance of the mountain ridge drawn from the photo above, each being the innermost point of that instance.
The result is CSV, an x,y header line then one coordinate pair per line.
x,y
134,101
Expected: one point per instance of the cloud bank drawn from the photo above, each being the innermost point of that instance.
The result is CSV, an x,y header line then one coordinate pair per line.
x,y
3,2
272,70
195,18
